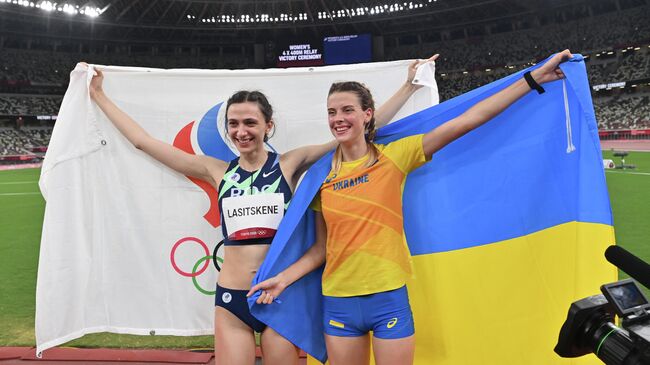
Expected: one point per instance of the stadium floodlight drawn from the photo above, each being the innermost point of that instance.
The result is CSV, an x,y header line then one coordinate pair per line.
x,y
69,9
93,12
47,6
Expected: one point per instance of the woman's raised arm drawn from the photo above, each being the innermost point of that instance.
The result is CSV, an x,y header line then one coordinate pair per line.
x,y
487,109
203,167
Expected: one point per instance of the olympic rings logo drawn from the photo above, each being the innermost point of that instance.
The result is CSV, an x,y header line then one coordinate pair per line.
x,y
203,262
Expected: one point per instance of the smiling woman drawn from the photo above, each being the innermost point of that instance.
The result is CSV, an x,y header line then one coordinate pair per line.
x,y
265,177
249,118
350,110
359,222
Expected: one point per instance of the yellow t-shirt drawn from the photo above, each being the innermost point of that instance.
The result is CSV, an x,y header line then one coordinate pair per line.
x,y
366,249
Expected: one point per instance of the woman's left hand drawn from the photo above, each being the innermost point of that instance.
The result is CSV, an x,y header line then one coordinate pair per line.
x,y
271,288
413,68
550,71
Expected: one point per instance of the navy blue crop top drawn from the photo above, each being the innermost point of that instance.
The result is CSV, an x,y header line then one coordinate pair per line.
x,y
238,182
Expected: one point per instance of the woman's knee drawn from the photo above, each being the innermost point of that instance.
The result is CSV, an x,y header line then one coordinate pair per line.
x,y
277,349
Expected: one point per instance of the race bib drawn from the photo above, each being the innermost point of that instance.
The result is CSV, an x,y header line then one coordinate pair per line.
x,y
252,216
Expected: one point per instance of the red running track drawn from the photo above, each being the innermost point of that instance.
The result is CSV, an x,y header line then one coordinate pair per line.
x,y
60,356
626,145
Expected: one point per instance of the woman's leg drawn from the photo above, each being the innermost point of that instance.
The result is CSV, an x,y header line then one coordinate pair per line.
x,y
348,350
394,351
277,350
234,341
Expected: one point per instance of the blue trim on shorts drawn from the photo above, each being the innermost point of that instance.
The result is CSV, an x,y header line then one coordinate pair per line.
x,y
387,314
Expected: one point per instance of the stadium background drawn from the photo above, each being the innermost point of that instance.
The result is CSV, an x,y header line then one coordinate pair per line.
x,y
479,41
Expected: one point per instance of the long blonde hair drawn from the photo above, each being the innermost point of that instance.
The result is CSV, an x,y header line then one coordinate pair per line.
x,y
366,101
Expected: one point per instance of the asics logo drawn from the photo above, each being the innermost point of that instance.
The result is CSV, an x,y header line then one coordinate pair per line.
x,y
391,323
330,178
267,174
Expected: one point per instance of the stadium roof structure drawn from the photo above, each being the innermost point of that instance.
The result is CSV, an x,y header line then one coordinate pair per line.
x,y
201,22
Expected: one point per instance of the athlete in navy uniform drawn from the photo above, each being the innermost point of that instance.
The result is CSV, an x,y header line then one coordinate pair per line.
x,y
238,182
254,190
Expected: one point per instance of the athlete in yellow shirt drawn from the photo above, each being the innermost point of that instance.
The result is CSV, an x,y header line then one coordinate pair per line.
x,y
362,206
359,230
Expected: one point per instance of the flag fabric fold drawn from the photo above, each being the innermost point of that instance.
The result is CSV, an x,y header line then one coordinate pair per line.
x,y
506,227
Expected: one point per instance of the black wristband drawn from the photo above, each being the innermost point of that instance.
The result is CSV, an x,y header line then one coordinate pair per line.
x,y
532,83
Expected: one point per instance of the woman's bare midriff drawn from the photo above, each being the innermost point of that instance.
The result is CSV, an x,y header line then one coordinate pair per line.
x,y
240,264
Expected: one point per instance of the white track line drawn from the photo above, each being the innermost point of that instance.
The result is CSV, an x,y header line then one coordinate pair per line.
x,y
12,194
628,173
18,182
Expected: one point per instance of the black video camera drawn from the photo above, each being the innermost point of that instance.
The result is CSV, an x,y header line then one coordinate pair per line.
x,y
589,326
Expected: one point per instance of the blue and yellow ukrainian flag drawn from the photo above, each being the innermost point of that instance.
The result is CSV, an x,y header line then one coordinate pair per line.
x,y
507,226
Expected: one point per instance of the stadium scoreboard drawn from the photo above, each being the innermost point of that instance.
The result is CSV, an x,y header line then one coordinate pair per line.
x,y
300,55
334,50
347,49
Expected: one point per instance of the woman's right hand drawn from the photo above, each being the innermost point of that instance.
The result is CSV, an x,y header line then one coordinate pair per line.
x,y
413,67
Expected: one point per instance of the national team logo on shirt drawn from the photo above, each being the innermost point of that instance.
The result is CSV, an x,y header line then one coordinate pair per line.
x,y
226,297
